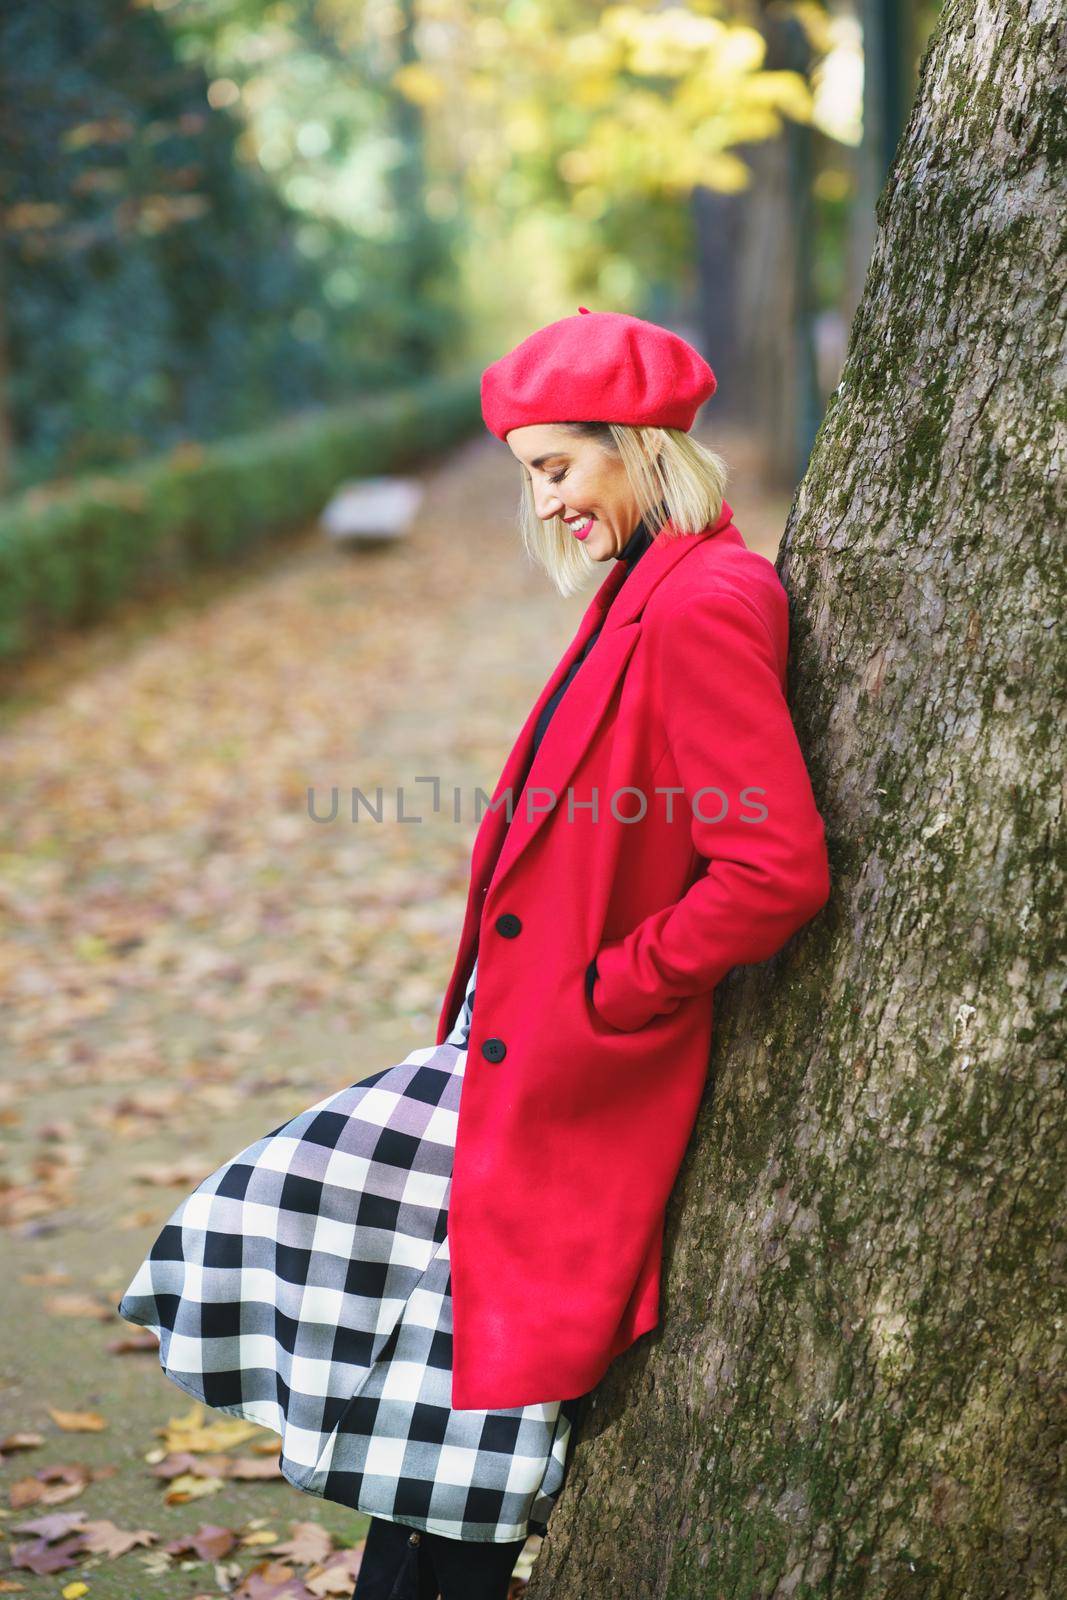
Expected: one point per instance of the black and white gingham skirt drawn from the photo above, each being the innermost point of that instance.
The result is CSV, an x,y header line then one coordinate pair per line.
x,y
306,1286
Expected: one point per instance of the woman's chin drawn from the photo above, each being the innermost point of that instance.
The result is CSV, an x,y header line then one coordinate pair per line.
x,y
597,546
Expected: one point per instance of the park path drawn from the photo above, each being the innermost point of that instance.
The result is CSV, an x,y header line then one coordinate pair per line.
x,y
187,958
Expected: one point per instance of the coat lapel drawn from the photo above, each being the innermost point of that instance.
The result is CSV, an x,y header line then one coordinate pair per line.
x,y
499,843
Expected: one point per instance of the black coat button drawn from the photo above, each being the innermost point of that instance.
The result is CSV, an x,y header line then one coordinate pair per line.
x,y
494,1049
508,925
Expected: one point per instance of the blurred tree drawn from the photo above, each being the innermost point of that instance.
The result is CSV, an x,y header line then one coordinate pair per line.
x,y
577,131
893,31
150,285
799,238
770,272
323,119
157,286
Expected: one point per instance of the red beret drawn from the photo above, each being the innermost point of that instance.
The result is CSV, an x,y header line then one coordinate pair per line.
x,y
598,366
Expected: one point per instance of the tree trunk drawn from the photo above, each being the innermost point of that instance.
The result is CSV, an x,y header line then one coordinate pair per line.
x,y
851,1391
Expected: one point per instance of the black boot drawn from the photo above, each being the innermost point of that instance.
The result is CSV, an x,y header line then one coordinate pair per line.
x,y
465,1569
394,1564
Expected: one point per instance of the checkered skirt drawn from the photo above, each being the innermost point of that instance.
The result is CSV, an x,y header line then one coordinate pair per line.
x,y
306,1286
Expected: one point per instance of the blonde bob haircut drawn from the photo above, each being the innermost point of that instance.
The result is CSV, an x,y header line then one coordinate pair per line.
x,y
671,475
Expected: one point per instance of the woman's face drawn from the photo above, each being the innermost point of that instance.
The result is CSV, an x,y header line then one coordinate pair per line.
x,y
574,479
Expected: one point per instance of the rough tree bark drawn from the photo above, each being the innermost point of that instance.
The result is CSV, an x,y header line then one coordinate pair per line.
x,y
851,1391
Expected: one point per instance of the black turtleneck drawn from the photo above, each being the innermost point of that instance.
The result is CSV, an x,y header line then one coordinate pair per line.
x,y
635,547
631,553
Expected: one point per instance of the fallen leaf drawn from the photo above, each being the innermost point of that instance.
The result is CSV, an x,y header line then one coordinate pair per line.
x,y
53,1526
79,1305
272,1581
134,1342
183,1463
191,1432
208,1543
189,1169
336,1576
156,1562
309,1544
24,1203
78,1421
103,1538
20,1441
49,1486
175,1466
249,1467
43,1558
187,1488
74,1591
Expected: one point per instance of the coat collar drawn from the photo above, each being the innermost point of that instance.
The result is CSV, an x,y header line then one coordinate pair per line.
x,y
499,844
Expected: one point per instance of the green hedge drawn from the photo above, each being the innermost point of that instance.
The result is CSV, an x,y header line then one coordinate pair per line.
x,y
67,555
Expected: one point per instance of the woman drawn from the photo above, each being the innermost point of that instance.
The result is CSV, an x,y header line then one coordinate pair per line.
x,y
415,1287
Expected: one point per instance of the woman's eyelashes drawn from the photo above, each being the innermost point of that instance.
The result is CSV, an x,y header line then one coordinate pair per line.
x,y
559,476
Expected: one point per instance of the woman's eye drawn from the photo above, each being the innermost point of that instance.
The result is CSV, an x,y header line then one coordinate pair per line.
x,y
559,476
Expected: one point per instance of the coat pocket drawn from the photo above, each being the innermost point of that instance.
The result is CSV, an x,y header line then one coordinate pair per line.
x,y
616,1003
594,981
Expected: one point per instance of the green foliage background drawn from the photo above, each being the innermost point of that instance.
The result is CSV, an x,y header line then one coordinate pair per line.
x,y
156,287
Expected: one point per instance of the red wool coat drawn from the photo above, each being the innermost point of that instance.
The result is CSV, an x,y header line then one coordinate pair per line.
x,y
575,1113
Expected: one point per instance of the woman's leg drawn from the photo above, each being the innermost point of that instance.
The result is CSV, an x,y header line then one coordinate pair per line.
x,y
468,1570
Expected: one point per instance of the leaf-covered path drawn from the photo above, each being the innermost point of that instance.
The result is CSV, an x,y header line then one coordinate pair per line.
x,y
187,958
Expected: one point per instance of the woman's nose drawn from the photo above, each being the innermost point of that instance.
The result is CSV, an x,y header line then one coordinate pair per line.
x,y
547,505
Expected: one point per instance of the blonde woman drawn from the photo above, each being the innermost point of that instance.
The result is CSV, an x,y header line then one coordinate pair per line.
x,y
416,1280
